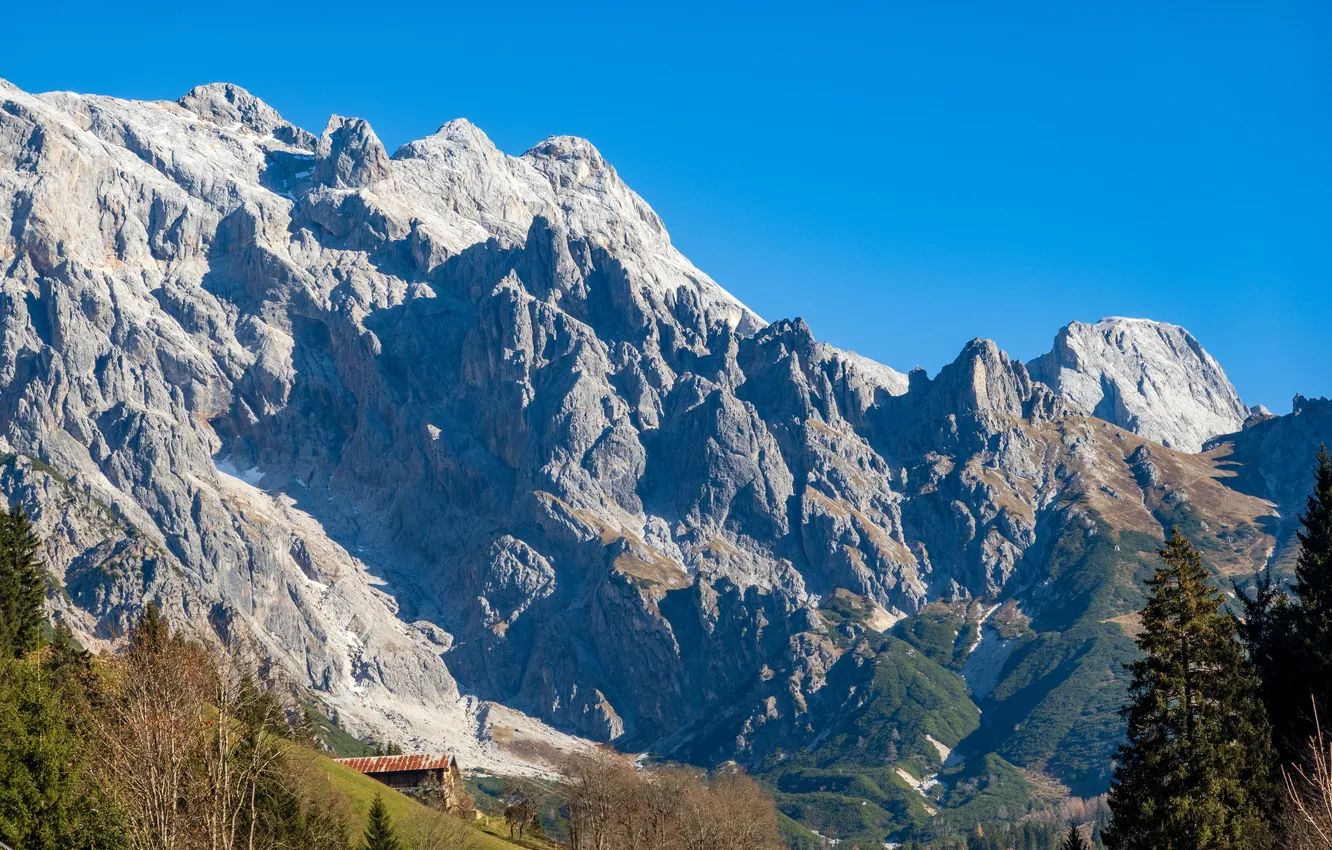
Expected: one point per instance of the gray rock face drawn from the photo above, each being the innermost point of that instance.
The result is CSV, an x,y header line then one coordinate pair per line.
x,y
1274,457
453,431
1151,378
350,155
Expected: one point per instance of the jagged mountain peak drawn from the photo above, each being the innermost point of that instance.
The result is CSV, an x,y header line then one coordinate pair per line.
x,y
1152,378
567,147
350,154
464,414
459,131
228,103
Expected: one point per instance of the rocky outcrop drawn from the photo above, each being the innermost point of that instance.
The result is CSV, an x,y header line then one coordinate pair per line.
x,y
1151,378
454,435
1274,457
350,155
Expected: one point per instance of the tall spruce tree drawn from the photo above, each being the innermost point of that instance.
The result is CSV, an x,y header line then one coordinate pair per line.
x,y
1265,625
1195,773
1074,840
379,834
1313,587
1288,637
49,799
22,585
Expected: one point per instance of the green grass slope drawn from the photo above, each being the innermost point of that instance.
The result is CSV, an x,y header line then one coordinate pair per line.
x,y
857,779
406,812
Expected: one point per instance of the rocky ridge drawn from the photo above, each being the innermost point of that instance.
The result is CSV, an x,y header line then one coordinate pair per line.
x,y
475,454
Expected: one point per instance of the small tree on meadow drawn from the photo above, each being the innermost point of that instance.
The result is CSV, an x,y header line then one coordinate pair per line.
x,y
379,834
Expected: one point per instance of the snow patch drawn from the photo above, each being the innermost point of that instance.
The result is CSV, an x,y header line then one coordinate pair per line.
x,y
251,476
986,659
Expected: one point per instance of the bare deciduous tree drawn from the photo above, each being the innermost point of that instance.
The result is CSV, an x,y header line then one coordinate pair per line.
x,y
610,804
245,745
439,831
152,732
188,736
1308,797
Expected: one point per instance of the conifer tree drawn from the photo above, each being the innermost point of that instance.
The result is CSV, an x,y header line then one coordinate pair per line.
x,y
48,797
379,834
1265,625
1288,637
22,585
65,660
1074,840
1313,586
1195,773
151,633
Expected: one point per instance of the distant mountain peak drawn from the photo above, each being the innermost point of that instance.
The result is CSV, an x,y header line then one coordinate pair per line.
x,y
1152,378
229,103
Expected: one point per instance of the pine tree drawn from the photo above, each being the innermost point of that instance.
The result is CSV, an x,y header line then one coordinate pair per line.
x,y
151,632
1074,840
48,798
1195,773
1266,629
379,833
1313,587
22,585
65,659
1289,639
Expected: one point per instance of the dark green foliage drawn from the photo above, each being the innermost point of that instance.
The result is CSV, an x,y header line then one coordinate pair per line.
x,y
65,659
942,634
1074,840
1195,771
847,613
1101,824
1313,587
796,836
288,817
1266,629
379,833
983,790
55,709
48,800
1289,640
151,632
902,696
846,783
22,585
1028,835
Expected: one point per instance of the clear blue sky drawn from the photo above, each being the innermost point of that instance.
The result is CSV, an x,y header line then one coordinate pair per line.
x,y
903,176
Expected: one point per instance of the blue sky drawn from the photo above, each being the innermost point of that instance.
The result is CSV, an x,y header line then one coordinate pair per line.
x,y
904,176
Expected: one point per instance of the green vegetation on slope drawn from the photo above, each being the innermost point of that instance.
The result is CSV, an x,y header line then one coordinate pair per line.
x,y
1055,708
860,779
943,634
405,812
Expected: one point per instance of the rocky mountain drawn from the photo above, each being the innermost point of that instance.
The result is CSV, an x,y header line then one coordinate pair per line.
x,y
1272,458
480,460
1149,377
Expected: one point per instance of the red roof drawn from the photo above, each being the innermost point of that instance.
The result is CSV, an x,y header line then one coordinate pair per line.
x,y
391,764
